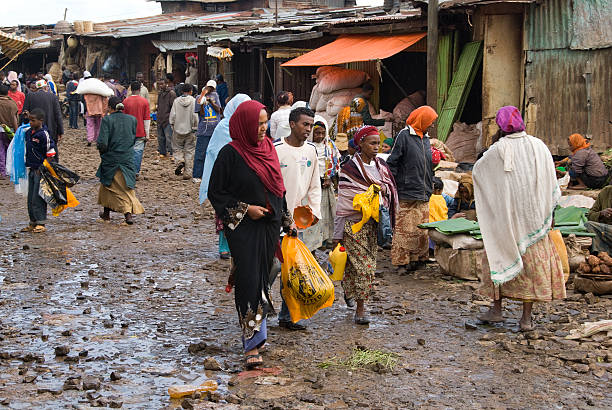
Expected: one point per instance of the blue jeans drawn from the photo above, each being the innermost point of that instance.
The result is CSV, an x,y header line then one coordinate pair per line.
x,y
139,147
73,112
200,155
164,139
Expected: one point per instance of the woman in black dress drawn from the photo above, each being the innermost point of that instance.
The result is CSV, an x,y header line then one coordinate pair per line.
x,y
247,191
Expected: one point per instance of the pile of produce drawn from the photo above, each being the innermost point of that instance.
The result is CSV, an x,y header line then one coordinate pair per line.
x,y
597,267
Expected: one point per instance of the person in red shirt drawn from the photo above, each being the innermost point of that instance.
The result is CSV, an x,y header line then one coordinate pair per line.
x,y
16,95
138,107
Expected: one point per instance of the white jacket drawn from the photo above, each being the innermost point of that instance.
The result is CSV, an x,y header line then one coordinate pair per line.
x,y
183,117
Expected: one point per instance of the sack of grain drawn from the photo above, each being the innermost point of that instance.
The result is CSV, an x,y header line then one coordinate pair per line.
x,y
340,99
322,103
322,71
315,95
341,78
402,110
417,98
94,86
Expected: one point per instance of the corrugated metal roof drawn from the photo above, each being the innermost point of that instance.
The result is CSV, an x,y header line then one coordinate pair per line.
x,y
173,45
450,4
549,25
260,21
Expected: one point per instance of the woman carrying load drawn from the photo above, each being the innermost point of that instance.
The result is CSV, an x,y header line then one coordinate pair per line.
x,y
516,192
410,163
356,176
247,192
116,171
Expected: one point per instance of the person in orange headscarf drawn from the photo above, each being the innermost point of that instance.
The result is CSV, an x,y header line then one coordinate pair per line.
x,y
411,165
587,170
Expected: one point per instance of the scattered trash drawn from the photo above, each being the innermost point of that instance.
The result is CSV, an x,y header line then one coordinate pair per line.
x,y
176,392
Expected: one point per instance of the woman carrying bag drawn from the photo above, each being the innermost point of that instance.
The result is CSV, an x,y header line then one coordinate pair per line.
x,y
356,176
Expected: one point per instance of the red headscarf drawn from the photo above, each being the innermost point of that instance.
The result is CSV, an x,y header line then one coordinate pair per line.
x,y
364,132
260,156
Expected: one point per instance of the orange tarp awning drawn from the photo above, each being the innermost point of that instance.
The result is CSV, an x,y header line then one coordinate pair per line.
x,y
347,49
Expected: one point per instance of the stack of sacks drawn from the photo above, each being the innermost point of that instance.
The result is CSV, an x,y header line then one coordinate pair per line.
x,y
403,109
334,90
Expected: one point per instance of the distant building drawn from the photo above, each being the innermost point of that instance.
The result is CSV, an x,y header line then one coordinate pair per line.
x,y
173,6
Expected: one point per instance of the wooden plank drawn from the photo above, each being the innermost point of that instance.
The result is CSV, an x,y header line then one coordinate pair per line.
x,y
202,66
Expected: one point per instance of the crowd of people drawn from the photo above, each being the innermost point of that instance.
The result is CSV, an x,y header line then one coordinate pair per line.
x,y
292,173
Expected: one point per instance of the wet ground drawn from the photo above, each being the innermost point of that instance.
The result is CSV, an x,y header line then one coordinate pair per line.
x,y
99,314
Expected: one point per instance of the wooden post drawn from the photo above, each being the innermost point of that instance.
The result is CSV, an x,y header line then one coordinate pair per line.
x,y
202,66
432,54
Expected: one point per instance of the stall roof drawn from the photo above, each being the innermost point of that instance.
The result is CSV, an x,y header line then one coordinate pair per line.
x,y
11,45
347,49
451,4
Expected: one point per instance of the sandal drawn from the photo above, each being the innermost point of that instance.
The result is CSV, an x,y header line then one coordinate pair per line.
x,y
28,228
224,255
39,229
104,217
253,365
362,320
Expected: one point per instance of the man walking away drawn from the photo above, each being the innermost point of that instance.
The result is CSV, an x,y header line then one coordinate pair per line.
x,y
184,119
209,112
164,130
39,146
138,107
73,101
49,104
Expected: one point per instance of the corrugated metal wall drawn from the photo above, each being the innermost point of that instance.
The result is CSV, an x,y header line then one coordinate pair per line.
x,y
549,25
555,89
556,95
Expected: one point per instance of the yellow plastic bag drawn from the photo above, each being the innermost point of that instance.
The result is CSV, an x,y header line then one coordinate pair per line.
x,y
556,237
368,203
306,287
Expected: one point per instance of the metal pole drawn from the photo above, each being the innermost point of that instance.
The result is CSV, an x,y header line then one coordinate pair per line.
x,y
432,54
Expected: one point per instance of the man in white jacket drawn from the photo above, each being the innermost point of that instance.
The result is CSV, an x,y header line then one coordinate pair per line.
x,y
184,120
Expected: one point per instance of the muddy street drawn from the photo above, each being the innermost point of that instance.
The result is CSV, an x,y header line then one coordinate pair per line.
x,y
96,314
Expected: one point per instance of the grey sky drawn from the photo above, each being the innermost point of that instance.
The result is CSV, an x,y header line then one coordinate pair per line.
x,y
51,11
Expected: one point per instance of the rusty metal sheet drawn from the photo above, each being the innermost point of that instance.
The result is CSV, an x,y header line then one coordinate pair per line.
x,y
555,95
549,25
592,20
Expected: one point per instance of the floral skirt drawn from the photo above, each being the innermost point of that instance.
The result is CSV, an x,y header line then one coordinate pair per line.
x,y
410,243
541,280
361,249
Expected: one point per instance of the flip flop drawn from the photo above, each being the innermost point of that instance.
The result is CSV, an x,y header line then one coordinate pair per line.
x,y
39,229
28,228
253,365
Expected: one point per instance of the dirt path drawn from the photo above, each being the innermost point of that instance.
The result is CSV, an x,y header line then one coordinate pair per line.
x,y
129,301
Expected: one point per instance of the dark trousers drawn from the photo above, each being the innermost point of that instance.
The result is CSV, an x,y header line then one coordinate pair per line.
x,y
37,207
200,155
73,112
